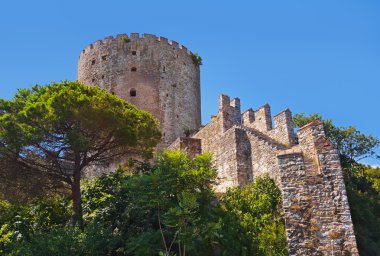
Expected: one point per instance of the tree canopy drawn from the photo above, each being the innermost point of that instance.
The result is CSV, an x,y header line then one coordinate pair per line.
x,y
352,144
60,129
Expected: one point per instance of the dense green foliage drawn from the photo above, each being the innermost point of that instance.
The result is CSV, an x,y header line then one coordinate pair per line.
x,y
252,221
362,182
58,130
167,208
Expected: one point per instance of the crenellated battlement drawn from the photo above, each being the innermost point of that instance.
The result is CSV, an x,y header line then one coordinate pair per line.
x,y
229,110
121,39
261,120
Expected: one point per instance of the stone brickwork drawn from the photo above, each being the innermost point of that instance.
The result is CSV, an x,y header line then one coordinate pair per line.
x,y
244,146
155,74
317,214
162,77
190,146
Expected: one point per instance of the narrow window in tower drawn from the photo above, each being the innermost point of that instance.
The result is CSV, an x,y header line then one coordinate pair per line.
x,y
133,52
93,62
133,69
132,92
164,69
102,76
104,57
93,80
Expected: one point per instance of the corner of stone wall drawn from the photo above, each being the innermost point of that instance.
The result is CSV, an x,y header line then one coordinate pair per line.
x,y
296,201
283,130
190,146
229,111
316,209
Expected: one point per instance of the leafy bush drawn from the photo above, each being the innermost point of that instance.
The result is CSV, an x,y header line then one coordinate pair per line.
x,y
197,59
126,39
167,208
252,220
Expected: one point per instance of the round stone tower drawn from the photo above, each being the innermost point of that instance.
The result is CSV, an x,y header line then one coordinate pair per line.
x,y
152,73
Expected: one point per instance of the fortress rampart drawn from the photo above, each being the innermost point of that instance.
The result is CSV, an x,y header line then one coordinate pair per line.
x,y
309,174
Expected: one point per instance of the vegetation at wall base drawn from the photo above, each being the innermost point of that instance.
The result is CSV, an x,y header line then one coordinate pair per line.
x,y
167,208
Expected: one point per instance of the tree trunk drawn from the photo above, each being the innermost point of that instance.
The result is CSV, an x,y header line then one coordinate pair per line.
x,y
77,199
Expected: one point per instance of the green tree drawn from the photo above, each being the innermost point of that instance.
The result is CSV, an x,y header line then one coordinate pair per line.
x,y
60,129
178,194
353,146
252,220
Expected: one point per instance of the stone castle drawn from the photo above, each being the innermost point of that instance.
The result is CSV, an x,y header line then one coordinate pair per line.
x,y
162,77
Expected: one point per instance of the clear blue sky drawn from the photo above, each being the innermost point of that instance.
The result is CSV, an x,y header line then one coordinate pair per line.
x,y
311,56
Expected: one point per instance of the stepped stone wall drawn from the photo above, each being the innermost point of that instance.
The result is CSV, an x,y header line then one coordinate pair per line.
x,y
309,174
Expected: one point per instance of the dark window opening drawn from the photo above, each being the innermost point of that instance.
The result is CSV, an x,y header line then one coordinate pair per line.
x,y
132,92
177,116
133,52
93,62
164,69
93,80
102,76
134,69
167,94
104,57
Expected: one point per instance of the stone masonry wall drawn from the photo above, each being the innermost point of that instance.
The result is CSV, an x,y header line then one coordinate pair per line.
x,y
261,120
155,74
220,137
239,153
190,146
317,214
316,210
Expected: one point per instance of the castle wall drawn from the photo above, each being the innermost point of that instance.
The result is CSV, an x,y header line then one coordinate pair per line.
x,y
163,75
261,120
223,147
317,214
263,155
239,153
190,146
316,210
